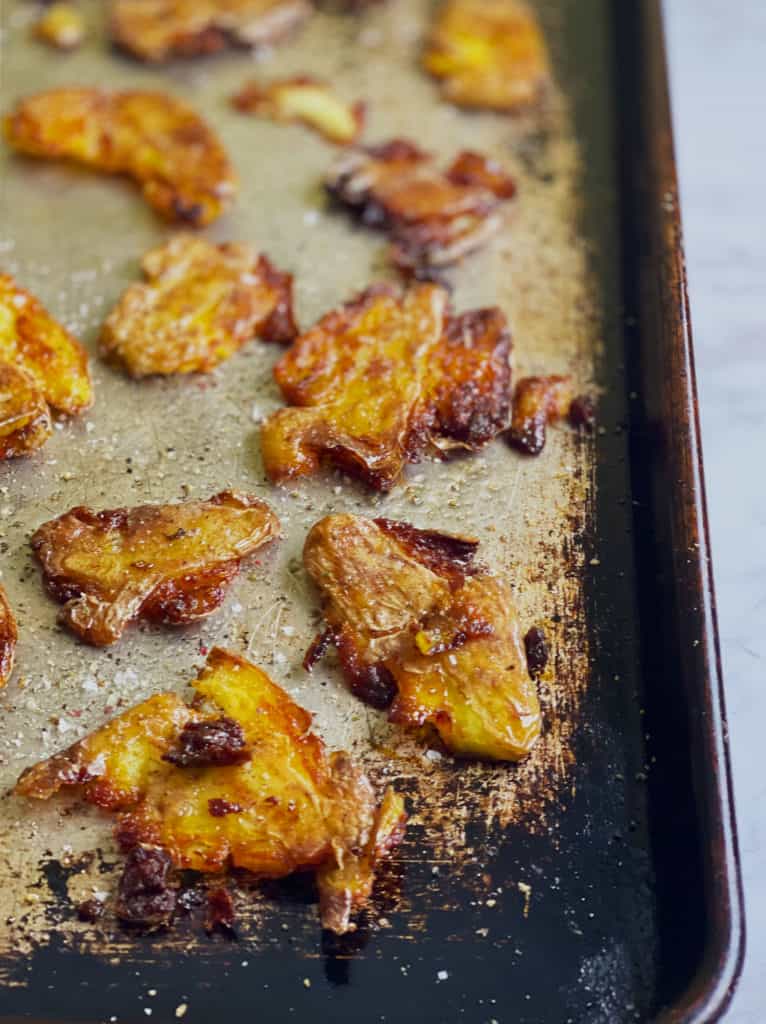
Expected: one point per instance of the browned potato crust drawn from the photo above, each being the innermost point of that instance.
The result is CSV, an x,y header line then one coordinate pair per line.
x,y
61,25
537,402
420,628
200,304
433,218
25,419
306,100
166,563
155,30
8,637
385,378
151,137
489,54
282,804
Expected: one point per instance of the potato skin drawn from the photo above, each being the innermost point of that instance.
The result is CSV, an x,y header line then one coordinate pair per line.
x,y
537,402
152,137
307,100
9,636
167,563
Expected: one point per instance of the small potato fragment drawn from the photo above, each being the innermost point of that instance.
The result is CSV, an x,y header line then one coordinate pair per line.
x,y
537,402
385,378
166,563
151,137
31,340
488,54
200,304
61,25
156,30
25,419
410,604
307,100
433,218
289,806
8,637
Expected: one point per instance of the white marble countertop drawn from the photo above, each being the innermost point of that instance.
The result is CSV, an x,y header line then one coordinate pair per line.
x,y
717,53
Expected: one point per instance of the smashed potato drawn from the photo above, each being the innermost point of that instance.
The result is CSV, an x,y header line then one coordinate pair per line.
x,y
489,54
281,805
385,378
32,340
433,218
61,25
410,607
155,30
537,402
165,563
200,304
151,137
306,100
8,638
25,419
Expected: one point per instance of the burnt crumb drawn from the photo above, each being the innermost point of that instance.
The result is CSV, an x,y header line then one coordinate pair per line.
x,y
90,910
319,647
219,808
147,894
374,685
538,652
218,741
530,439
220,912
582,413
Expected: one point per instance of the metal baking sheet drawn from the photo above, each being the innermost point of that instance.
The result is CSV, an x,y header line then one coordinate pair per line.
x,y
522,893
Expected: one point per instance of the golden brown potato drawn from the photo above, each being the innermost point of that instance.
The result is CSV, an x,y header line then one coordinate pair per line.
x,y
537,402
307,100
25,419
165,563
418,627
489,54
383,379
33,341
433,218
234,779
200,304
151,137
61,25
8,637
155,30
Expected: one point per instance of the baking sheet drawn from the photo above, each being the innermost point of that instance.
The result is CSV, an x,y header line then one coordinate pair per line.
x,y
74,239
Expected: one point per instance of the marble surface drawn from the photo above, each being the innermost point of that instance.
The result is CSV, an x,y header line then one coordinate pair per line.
x,y
717,53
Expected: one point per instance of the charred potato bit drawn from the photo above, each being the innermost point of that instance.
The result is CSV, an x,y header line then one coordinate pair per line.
x,y
25,419
537,402
200,304
488,54
383,379
9,635
155,30
306,100
297,808
61,25
151,137
33,341
410,603
164,563
432,218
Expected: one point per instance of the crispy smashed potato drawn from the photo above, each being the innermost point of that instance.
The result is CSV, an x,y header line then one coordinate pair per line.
x,y
307,100
489,54
200,304
155,30
410,607
433,218
383,379
25,419
8,637
165,563
32,340
61,25
284,806
151,137
537,402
